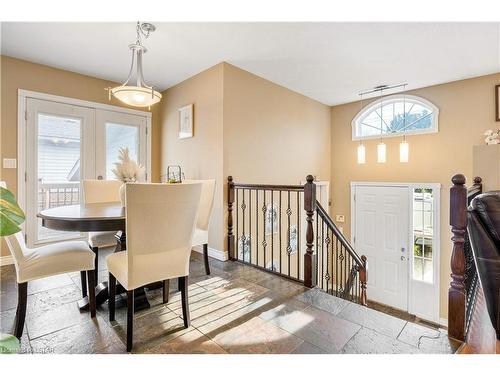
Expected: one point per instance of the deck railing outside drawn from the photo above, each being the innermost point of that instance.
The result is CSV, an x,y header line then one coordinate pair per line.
x,y
56,194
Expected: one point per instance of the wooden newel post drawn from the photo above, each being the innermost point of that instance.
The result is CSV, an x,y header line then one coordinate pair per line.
x,y
363,278
309,257
456,293
230,201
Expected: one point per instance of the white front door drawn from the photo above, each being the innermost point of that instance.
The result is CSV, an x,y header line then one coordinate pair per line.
x,y
381,233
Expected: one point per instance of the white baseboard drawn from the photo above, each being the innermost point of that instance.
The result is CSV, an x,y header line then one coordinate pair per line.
x,y
213,253
443,322
6,260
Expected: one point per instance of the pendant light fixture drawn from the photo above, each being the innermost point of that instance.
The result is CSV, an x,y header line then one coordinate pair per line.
x,y
361,147
140,95
404,147
381,148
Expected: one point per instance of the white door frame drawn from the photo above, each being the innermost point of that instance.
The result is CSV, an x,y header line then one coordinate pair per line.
x,y
436,245
22,122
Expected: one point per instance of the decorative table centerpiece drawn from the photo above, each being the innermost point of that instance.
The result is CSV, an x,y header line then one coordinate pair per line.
x,y
127,171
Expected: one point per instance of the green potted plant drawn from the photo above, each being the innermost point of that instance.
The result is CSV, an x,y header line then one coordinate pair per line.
x,y
11,217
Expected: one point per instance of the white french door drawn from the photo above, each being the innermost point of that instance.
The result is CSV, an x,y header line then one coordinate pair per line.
x,y
60,154
115,130
65,144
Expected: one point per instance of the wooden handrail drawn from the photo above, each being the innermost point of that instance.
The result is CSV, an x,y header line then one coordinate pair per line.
x,y
269,187
350,275
329,222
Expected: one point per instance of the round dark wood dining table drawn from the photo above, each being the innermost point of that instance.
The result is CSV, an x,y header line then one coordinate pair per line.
x,y
95,217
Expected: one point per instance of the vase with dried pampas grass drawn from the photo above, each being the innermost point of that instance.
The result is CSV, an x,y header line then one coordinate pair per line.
x,y
127,170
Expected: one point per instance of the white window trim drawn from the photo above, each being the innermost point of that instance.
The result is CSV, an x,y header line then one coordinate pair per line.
x,y
437,238
435,116
24,95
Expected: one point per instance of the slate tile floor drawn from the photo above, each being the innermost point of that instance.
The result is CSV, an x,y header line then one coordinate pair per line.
x,y
237,309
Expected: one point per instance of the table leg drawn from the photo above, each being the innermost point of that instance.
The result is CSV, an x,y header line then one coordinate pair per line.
x,y
101,292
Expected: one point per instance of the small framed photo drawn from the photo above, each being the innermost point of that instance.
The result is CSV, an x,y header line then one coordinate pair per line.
x,y
497,102
186,121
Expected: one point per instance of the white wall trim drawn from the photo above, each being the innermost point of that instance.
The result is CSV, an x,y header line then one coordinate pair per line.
x,y
79,102
6,260
437,239
443,322
213,253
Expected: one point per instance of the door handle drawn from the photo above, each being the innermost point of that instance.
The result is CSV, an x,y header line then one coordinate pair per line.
x,y
99,177
403,258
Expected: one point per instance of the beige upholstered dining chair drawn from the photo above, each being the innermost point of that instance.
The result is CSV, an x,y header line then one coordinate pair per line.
x,y
45,261
161,220
99,191
204,213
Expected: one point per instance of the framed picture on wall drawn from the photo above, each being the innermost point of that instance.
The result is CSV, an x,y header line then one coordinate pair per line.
x,y
497,102
186,121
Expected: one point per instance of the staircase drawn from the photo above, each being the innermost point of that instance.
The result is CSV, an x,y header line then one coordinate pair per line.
x,y
284,230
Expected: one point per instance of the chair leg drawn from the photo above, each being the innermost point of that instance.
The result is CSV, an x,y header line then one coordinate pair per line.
x,y
83,277
183,286
22,299
92,303
166,289
96,262
130,319
112,297
205,256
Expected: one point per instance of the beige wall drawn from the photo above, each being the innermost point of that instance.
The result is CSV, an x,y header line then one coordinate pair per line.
x,y
272,134
200,156
247,127
466,110
19,74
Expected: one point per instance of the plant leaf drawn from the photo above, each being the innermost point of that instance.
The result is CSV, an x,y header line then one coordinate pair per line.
x,y
11,215
9,344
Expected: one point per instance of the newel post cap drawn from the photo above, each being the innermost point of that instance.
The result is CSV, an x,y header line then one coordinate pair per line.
x,y
458,179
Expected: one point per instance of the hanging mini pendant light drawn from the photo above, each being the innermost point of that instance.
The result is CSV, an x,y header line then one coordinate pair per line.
x,y
404,151
140,95
404,147
361,154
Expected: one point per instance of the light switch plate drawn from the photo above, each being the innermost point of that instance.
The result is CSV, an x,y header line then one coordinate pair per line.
x,y
9,163
340,218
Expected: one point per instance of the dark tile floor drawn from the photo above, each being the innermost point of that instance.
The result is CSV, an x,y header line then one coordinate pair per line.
x,y
237,309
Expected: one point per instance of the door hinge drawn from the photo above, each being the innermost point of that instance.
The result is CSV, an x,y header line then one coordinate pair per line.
x,y
353,239
354,197
25,238
25,177
26,115
146,131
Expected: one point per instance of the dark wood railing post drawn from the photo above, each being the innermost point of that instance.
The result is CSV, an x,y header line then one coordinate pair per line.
x,y
309,257
363,278
230,201
456,292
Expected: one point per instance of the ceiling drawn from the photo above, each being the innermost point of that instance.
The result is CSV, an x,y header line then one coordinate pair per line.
x,y
329,62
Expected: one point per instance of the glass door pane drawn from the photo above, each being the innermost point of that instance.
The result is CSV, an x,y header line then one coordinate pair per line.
x,y
58,179
115,130
120,136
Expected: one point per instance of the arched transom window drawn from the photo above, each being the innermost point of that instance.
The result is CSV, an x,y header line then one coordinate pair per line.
x,y
395,115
